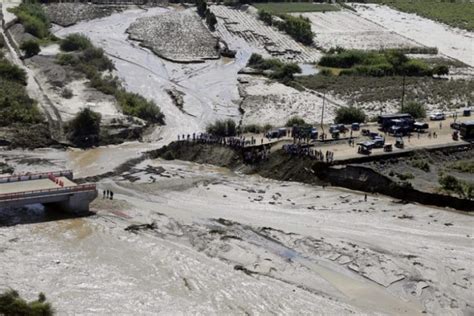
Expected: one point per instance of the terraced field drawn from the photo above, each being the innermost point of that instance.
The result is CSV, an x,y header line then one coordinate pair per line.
x,y
245,25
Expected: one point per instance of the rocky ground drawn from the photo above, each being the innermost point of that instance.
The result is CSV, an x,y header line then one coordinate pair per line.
x,y
179,36
67,14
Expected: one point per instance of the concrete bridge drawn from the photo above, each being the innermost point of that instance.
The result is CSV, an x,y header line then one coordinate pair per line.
x,y
50,189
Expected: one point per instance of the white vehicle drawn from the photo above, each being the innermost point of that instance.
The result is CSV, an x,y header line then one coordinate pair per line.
x,y
438,116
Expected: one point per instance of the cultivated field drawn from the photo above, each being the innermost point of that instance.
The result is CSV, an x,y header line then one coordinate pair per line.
x,y
244,24
348,30
458,13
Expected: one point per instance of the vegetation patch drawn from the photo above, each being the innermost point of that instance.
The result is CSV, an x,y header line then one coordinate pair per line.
x,y
451,184
274,68
298,27
12,304
379,64
34,19
255,128
84,129
15,104
457,13
465,166
222,128
92,62
350,114
291,7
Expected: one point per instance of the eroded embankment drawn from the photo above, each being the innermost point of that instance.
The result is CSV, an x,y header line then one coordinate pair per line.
x,y
281,166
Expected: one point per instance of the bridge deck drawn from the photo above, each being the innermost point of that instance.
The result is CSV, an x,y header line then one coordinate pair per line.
x,y
33,185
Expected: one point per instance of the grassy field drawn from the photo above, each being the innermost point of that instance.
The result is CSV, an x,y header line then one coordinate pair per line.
x,y
291,7
458,13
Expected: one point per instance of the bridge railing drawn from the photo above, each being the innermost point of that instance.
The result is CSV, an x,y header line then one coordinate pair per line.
x,y
27,194
35,176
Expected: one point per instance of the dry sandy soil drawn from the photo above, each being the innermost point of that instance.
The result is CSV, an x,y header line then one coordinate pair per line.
x,y
267,102
351,31
178,36
281,247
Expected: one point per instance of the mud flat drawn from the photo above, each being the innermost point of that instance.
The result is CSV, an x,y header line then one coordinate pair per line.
x,y
350,31
178,36
175,230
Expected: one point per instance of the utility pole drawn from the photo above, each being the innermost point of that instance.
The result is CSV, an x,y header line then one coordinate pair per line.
x,y
322,112
403,92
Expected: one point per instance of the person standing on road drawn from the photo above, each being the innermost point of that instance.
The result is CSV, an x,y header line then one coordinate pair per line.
x,y
111,195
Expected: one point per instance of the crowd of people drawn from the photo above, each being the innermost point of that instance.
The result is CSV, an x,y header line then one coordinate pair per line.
x,y
306,151
232,141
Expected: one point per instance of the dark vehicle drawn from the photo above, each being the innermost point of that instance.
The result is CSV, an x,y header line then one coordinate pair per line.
x,y
338,128
420,126
373,135
365,148
466,112
388,148
467,130
379,142
456,126
386,121
355,126
365,132
401,127
304,132
399,143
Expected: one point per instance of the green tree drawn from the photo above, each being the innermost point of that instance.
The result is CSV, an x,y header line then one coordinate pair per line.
x,y
295,120
441,70
211,20
201,6
74,42
286,72
265,16
350,114
84,129
415,109
30,48
222,128
12,304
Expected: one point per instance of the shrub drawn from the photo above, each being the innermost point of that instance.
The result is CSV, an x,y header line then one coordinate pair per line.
x,y
441,70
67,93
12,72
30,48
12,304
74,42
265,16
405,176
135,105
295,120
297,27
421,164
252,128
201,6
211,20
84,129
415,109
350,114
222,128
33,18
466,166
